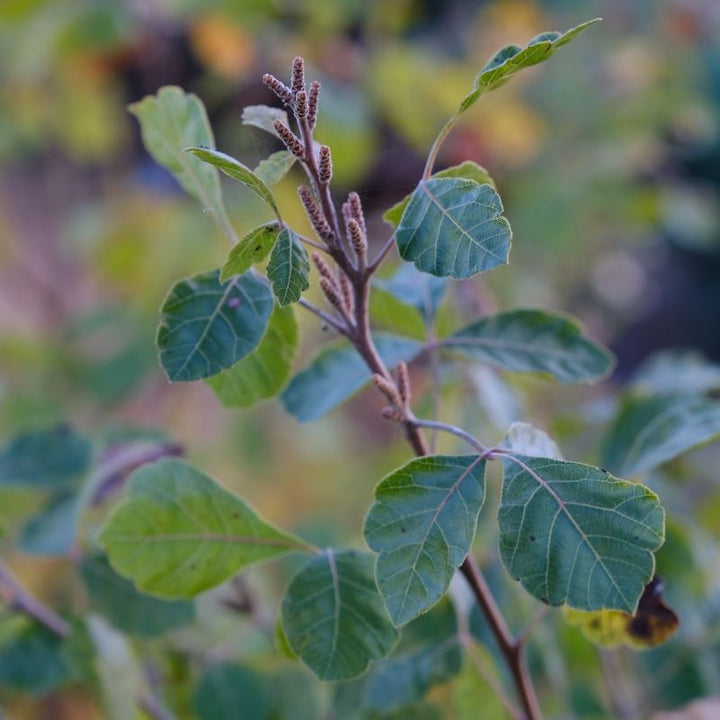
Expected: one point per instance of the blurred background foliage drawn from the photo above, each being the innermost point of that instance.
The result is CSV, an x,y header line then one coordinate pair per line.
x,y
608,161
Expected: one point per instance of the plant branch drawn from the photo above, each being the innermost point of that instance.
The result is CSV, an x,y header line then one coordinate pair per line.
x,y
458,432
326,317
435,149
384,250
21,599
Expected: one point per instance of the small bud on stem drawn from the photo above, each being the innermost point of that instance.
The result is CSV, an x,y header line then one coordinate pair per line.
x,y
332,294
388,389
391,413
357,239
403,382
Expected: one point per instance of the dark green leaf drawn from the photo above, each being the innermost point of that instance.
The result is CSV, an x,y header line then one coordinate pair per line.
x,y
289,268
52,530
419,290
235,169
423,523
652,430
274,168
34,662
179,532
171,121
334,617
263,117
469,170
228,692
253,248
428,654
206,327
129,610
453,226
574,534
337,374
264,372
509,60
53,459
533,341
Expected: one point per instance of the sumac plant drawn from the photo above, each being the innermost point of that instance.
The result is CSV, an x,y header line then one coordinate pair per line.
x,y
374,620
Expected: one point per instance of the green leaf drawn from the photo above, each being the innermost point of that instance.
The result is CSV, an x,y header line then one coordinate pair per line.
x,y
469,170
428,654
423,523
334,617
264,372
652,430
274,168
289,268
263,117
419,290
253,248
52,530
227,691
677,371
55,458
34,662
574,534
171,121
337,374
533,341
453,226
133,612
179,532
235,169
512,58
294,695
206,327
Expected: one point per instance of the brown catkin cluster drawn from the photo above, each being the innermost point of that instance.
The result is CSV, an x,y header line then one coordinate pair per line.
x,y
291,140
317,219
301,105
279,88
332,293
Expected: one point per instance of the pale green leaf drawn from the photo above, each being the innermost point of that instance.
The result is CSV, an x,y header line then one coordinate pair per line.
x,y
52,530
652,430
393,315
288,268
171,121
55,458
453,226
274,168
469,170
253,248
533,341
127,609
265,371
235,169
574,534
206,327
422,524
677,371
334,617
178,532
263,117
227,691
419,290
512,58
524,439
337,374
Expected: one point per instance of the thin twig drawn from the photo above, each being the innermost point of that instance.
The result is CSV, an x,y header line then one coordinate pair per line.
x,y
541,612
458,432
21,599
326,317
384,250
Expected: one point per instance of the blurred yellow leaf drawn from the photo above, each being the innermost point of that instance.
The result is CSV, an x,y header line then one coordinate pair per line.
x,y
222,46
